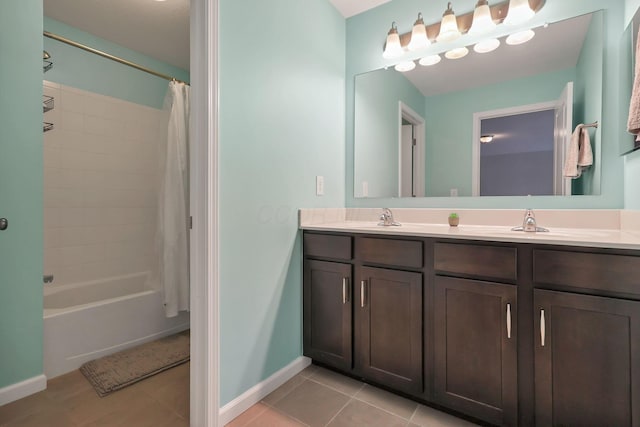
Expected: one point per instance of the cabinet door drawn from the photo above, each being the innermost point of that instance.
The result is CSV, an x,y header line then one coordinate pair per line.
x,y
475,368
389,315
587,360
327,313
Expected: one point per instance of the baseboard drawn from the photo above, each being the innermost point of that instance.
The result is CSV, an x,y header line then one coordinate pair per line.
x,y
22,389
256,393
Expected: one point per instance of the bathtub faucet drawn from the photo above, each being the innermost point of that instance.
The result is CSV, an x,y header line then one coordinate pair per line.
x,y
47,278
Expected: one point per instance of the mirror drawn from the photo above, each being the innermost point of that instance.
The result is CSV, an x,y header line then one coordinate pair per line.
x,y
417,134
628,60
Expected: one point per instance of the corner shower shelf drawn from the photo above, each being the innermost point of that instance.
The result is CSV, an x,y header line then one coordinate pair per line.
x,y
47,103
46,65
46,126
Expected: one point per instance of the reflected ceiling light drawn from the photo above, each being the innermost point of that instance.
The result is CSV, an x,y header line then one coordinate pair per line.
x,y
393,49
429,60
482,20
457,53
449,27
419,39
519,12
520,37
405,66
486,46
485,139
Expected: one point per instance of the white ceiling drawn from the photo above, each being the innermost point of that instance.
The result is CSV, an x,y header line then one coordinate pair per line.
x,y
553,48
159,29
349,8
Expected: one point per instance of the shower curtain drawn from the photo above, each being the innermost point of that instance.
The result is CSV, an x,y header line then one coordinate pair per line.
x,y
172,235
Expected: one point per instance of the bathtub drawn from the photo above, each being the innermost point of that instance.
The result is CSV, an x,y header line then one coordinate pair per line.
x,y
89,320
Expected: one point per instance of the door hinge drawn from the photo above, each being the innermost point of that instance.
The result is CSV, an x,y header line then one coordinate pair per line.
x,y
414,142
190,223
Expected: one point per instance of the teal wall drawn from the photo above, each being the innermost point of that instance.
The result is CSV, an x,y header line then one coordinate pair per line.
x,y
21,191
282,65
377,97
365,38
450,124
632,161
84,70
588,101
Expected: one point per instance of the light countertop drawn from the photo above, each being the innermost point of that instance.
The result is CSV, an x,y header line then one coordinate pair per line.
x,y
618,238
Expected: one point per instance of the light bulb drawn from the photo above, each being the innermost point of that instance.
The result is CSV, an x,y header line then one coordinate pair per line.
x,y
405,66
393,49
482,20
520,37
485,139
449,27
457,53
486,46
419,39
519,12
429,60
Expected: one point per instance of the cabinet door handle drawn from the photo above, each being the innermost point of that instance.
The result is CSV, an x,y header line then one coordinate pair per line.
x,y
509,321
542,328
344,290
362,286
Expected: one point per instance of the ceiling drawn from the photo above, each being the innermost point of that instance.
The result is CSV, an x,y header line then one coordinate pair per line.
x,y
159,29
349,8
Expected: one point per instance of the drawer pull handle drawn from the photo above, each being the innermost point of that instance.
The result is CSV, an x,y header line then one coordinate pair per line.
x,y
362,285
542,328
344,290
509,321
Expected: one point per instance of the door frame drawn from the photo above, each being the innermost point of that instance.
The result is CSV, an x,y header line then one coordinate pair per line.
x,y
418,122
492,114
204,237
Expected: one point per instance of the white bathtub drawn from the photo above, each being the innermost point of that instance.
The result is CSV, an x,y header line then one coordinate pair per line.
x,y
90,320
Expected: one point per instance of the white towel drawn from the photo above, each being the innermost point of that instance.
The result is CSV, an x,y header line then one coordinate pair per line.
x,y
633,122
579,155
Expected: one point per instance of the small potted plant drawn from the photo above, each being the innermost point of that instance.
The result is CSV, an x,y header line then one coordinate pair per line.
x,y
454,220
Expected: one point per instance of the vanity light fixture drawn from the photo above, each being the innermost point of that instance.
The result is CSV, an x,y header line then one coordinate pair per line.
x,y
486,46
405,66
449,30
456,53
419,39
519,11
393,49
482,21
485,139
430,60
520,37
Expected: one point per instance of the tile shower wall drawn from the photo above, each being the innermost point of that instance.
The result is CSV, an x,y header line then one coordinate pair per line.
x,y
100,186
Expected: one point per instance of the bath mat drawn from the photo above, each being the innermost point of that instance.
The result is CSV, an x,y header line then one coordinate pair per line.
x,y
116,371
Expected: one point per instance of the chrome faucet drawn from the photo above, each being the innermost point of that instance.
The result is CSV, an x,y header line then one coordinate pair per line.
x,y
386,218
529,223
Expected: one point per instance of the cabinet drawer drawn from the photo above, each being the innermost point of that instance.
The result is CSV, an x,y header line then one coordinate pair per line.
x,y
616,273
402,253
327,246
476,260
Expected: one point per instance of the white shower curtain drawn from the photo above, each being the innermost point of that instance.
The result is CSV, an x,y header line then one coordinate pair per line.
x,y
172,235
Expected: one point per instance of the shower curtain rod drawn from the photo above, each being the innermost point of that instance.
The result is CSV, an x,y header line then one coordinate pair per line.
x,y
109,56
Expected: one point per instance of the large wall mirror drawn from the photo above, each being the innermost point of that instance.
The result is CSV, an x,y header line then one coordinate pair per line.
x,y
497,123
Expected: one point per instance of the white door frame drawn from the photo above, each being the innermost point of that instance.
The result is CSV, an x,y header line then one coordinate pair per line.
x,y
418,123
482,115
204,378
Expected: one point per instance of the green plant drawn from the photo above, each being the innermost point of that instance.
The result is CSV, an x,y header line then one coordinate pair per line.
x,y
453,215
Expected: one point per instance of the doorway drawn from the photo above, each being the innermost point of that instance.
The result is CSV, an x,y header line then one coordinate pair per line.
x,y
411,156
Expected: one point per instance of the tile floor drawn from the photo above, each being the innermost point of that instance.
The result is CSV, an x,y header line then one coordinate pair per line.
x,y
320,397
70,401
314,397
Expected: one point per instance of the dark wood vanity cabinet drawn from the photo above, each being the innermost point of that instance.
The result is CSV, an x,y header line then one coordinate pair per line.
x,y
509,334
389,328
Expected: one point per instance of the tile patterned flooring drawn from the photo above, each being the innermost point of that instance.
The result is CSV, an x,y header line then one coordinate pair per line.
x,y
70,401
314,397
320,397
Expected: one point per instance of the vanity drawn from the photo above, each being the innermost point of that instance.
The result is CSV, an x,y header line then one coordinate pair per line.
x,y
508,329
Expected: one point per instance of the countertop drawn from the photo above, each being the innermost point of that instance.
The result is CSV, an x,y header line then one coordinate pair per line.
x,y
586,237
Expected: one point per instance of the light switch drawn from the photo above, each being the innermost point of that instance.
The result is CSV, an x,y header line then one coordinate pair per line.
x,y
365,188
319,185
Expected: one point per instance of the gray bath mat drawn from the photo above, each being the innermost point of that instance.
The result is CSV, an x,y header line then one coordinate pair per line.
x,y
119,370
